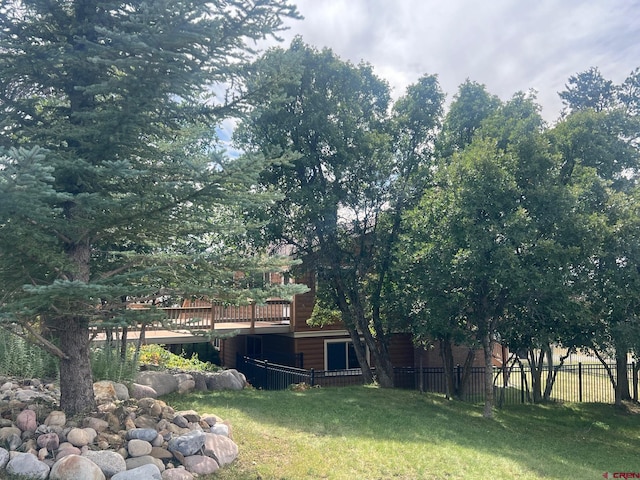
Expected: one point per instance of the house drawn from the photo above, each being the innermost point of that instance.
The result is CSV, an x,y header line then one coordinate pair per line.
x,y
324,348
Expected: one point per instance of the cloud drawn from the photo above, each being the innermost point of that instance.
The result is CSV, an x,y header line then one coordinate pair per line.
x,y
507,45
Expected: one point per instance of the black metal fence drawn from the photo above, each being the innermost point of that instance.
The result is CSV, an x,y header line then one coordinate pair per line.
x,y
573,383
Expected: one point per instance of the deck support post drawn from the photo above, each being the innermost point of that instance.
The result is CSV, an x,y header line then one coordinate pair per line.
x,y
253,317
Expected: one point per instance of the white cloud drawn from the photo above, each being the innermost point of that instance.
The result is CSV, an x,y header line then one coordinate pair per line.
x,y
509,45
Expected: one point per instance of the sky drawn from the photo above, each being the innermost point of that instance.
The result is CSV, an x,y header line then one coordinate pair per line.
x,y
508,45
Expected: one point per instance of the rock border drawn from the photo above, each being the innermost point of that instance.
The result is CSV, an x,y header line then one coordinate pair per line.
x,y
133,434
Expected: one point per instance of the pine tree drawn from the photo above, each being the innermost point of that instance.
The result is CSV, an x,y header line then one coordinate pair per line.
x,y
112,185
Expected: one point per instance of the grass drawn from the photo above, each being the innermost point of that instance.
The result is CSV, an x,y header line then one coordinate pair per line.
x,y
372,433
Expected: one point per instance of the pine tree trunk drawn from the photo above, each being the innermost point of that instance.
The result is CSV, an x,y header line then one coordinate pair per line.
x,y
76,382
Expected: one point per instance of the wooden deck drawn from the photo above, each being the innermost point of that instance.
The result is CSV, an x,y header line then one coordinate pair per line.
x,y
273,317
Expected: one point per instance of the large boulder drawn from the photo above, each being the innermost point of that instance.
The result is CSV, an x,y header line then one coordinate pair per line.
x,y
200,464
108,461
177,474
226,380
75,467
28,466
221,448
163,383
138,391
188,444
143,472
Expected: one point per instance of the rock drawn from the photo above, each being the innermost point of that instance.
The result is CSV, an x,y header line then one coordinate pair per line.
x,y
104,392
75,467
138,448
56,419
211,419
180,421
112,439
31,396
50,441
28,465
4,457
146,434
220,429
143,472
226,380
6,432
146,421
97,424
142,391
151,406
161,453
163,383
108,461
14,441
144,460
221,448
186,383
26,421
43,453
200,464
67,449
187,444
80,437
189,415
177,474
122,392
200,380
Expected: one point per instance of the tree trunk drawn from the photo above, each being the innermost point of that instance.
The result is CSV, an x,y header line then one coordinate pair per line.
x,y
487,346
536,362
384,368
622,377
76,382
361,355
446,353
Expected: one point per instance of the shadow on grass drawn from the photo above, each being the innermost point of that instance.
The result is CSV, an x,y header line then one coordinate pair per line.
x,y
551,441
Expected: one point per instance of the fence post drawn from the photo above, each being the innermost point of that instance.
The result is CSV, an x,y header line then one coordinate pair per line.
x,y
523,380
312,377
634,374
580,382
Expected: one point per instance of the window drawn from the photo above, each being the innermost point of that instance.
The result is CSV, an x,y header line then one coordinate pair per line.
x,y
340,355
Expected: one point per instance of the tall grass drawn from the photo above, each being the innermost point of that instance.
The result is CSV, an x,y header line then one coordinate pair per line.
x,y
19,358
107,364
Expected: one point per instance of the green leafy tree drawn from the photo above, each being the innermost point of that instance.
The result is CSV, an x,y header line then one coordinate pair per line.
x,y
111,182
588,90
489,243
348,171
471,105
599,149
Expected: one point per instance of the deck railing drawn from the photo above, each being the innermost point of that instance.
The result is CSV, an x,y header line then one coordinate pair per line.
x,y
207,317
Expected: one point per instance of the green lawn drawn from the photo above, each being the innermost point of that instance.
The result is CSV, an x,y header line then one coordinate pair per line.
x,y
371,433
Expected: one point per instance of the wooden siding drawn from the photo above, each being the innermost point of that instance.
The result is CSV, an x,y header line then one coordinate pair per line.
x,y
229,347
313,350
401,350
